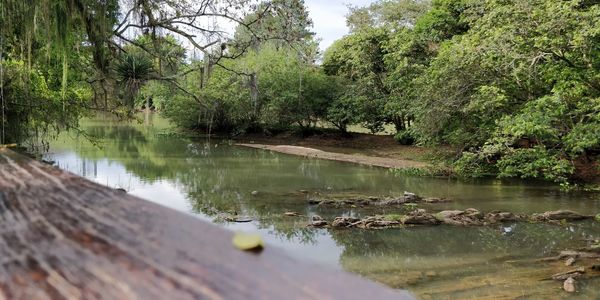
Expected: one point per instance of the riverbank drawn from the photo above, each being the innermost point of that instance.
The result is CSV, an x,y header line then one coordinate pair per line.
x,y
364,149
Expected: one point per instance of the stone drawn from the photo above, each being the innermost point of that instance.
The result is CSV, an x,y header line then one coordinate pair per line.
x,y
578,254
500,216
411,197
431,273
291,214
435,200
469,216
317,218
344,222
569,285
314,201
254,193
392,201
122,190
303,191
570,261
318,224
380,223
419,217
569,274
559,215
473,213
451,217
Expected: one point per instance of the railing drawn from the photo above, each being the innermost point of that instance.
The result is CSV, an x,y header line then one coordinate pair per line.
x,y
62,236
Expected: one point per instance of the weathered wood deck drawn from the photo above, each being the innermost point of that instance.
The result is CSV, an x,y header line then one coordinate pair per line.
x,y
64,237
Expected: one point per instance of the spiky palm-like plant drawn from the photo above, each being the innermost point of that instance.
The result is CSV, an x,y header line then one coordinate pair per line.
x,y
133,70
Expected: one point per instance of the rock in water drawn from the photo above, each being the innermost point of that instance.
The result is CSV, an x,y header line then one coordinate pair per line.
x,y
411,197
559,215
470,216
318,224
569,285
570,261
569,274
435,200
420,217
344,221
501,216
254,193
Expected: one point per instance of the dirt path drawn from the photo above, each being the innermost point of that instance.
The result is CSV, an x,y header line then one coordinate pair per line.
x,y
384,162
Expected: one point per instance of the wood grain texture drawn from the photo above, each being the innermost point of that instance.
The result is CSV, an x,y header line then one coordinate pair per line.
x,y
64,237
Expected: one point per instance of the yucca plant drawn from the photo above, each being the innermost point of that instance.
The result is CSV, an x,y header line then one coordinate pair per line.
x,y
132,71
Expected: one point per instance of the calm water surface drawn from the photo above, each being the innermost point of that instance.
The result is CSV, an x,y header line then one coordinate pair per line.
x,y
210,179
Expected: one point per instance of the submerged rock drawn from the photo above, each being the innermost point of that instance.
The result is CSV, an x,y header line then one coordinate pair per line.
x,y
366,223
469,216
339,222
578,254
314,201
559,215
419,217
411,197
569,285
359,200
254,193
431,273
569,274
435,200
570,261
377,222
318,223
392,201
501,216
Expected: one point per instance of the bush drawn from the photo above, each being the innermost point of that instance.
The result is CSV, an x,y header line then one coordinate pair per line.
x,y
405,137
472,165
536,163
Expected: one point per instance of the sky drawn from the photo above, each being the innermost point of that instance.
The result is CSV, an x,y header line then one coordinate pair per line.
x,y
329,18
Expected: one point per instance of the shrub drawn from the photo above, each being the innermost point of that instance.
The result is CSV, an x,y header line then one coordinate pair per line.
x,y
405,137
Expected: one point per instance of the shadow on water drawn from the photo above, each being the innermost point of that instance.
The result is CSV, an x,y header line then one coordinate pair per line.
x,y
213,179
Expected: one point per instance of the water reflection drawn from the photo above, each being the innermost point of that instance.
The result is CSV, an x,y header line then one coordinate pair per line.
x,y
208,179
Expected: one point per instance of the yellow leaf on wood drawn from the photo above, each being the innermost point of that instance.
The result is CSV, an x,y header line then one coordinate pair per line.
x,y
248,241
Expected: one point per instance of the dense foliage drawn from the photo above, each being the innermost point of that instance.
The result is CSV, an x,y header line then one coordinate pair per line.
x,y
514,85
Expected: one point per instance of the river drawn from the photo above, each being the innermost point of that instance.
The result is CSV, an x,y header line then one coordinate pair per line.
x,y
210,178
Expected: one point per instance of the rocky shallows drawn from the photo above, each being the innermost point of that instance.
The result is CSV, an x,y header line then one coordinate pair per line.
x,y
411,215
467,217
362,201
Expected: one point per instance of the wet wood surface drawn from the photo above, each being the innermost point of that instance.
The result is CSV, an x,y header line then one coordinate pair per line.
x,y
64,237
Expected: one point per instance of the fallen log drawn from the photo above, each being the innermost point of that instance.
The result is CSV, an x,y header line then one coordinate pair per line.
x,y
65,237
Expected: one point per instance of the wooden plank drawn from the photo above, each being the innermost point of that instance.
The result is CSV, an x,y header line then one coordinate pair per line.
x,y
64,237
